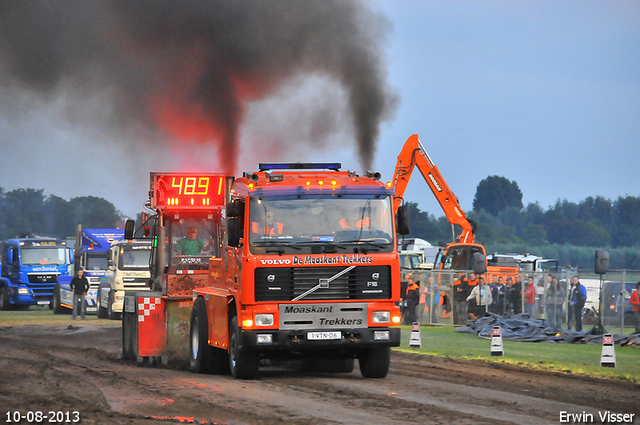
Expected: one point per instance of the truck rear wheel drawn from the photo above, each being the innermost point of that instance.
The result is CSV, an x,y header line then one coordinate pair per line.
x,y
128,335
244,363
374,363
101,312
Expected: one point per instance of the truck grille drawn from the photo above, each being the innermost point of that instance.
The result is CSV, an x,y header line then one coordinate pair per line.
x,y
43,278
287,283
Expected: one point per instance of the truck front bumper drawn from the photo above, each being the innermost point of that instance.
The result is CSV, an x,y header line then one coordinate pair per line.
x,y
299,340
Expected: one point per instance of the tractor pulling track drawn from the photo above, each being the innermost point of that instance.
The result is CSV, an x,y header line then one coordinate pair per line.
x,y
78,368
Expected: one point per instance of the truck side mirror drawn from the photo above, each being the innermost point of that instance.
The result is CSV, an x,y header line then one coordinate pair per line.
x,y
110,258
10,256
129,229
402,220
479,263
71,257
234,232
235,209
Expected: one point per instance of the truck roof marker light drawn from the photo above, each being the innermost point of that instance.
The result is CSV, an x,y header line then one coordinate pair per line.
x,y
320,182
192,201
250,185
388,184
334,166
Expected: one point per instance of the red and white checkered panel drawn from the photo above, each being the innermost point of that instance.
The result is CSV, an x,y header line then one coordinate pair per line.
x,y
147,305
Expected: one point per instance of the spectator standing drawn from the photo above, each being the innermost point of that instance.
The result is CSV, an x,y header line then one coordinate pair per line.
x,y
494,282
472,282
460,293
433,299
508,294
516,295
423,308
529,296
413,297
79,285
498,295
635,306
578,297
554,308
479,299
541,292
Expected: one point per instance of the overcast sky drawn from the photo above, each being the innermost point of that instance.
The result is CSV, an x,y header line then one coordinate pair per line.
x,y
543,93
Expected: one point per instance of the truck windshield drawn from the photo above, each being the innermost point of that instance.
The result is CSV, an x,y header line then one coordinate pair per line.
x,y
134,257
31,256
97,262
337,220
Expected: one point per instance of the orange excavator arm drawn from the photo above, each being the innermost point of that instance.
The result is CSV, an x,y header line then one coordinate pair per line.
x,y
413,155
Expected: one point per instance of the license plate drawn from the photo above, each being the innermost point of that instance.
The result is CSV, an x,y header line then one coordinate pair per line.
x,y
43,302
324,335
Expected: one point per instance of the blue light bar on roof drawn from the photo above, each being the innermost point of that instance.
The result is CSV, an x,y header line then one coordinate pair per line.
x,y
300,166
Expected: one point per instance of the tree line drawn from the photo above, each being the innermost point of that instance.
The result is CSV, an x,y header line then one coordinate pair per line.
x,y
29,211
567,231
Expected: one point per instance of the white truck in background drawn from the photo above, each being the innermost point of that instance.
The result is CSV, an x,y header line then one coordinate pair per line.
x,y
416,253
128,265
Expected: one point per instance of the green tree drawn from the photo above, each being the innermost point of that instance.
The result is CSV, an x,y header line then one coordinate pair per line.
x,y
535,234
23,212
58,220
424,225
495,194
93,212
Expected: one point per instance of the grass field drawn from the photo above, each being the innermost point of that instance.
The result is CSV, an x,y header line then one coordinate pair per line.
x,y
44,316
573,358
439,341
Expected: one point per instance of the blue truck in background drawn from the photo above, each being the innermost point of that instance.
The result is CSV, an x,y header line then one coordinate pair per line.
x,y
91,254
30,269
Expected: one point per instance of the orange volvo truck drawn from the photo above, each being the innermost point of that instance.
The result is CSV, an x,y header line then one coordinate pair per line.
x,y
457,255
294,261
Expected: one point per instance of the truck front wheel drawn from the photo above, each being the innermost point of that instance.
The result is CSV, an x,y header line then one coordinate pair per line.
x,y
244,363
110,313
374,363
4,299
101,311
199,350
57,308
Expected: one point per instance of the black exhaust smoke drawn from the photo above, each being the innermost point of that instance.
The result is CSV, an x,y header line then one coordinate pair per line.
x,y
189,68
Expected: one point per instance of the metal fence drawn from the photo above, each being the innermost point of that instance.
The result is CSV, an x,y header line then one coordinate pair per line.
x,y
442,303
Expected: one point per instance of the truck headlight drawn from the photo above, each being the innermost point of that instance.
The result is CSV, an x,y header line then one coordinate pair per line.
x,y
264,339
24,291
381,335
264,319
381,317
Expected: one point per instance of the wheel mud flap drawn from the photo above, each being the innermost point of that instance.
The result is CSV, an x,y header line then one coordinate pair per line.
x,y
151,325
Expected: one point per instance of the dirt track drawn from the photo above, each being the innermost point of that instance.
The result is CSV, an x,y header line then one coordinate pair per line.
x,y
56,368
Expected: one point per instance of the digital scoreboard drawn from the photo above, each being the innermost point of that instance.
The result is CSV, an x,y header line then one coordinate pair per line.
x,y
178,191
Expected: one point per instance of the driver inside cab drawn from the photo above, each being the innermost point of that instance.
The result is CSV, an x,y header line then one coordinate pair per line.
x,y
191,244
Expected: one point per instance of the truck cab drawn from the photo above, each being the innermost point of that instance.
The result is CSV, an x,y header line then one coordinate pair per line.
x,y
127,270
30,270
300,263
90,255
